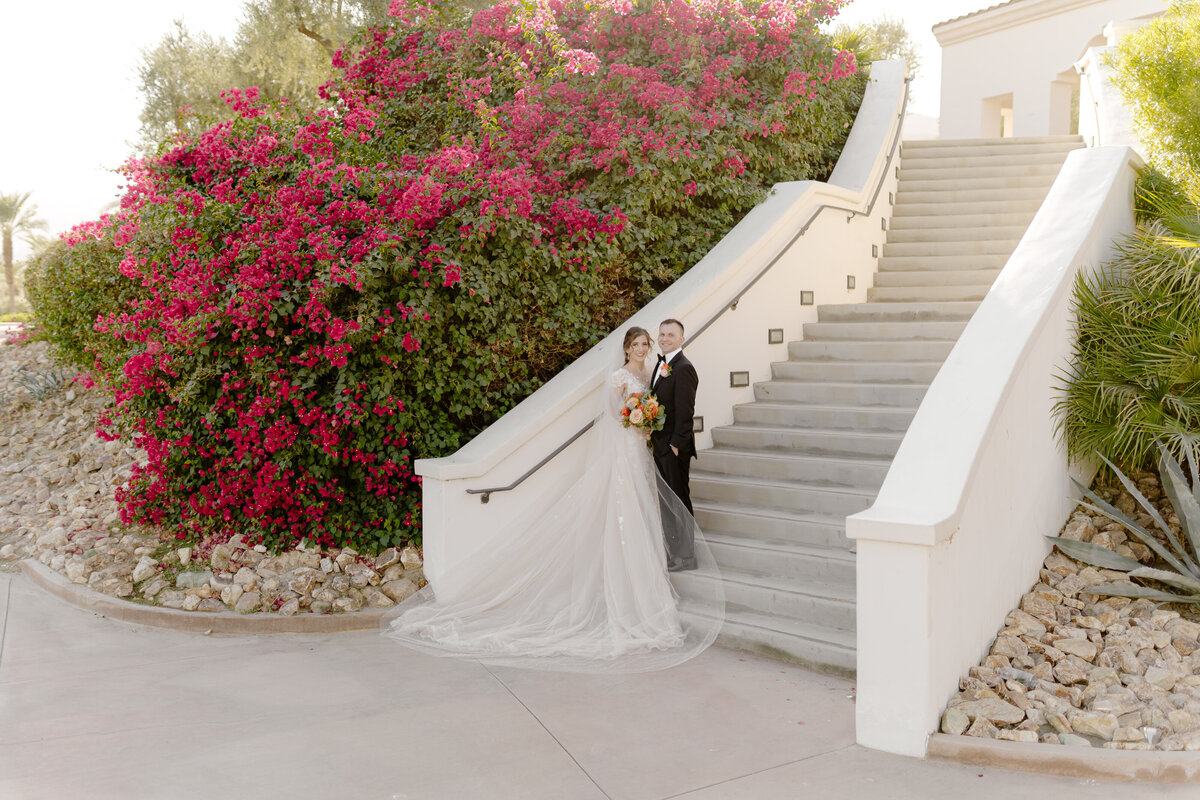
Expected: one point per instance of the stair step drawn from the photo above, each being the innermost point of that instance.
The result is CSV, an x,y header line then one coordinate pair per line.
x,y
797,496
764,558
907,294
936,262
818,471
933,173
954,180
966,247
813,441
957,208
949,220
814,646
896,312
874,331
1008,141
841,393
929,277
914,350
1033,196
946,160
817,604
867,418
968,149
949,235
776,524
921,372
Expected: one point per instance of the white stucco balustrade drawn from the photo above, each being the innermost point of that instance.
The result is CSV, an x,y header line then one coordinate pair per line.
x,y
955,536
837,243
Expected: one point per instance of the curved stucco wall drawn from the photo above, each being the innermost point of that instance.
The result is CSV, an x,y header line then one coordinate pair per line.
x,y
836,244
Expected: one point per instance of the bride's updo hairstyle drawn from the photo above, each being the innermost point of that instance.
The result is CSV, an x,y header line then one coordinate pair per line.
x,y
631,336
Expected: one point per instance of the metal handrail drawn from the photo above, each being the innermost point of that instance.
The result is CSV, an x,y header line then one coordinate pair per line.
x,y
486,494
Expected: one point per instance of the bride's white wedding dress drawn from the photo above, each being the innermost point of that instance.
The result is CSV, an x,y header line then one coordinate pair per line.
x,y
583,587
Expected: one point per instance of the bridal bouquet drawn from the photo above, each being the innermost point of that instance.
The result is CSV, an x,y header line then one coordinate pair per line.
x,y
641,410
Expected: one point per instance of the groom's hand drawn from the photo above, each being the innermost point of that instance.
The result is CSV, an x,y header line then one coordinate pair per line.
x,y
674,449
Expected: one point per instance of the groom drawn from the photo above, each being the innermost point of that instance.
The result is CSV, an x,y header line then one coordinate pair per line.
x,y
674,382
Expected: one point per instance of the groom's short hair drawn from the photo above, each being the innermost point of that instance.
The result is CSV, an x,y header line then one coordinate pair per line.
x,y
673,322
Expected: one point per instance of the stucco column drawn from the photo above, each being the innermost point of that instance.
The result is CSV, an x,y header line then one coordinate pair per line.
x,y
1060,107
1031,110
896,709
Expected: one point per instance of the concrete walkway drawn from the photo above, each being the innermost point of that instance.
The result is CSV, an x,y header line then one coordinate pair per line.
x,y
94,708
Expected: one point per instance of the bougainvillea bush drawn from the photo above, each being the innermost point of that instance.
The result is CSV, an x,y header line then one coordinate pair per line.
x,y
312,301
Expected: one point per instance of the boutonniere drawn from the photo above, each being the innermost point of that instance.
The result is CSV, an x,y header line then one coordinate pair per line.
x,y
665,370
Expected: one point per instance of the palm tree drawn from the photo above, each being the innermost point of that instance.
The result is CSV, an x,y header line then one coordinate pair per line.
x,y
16,218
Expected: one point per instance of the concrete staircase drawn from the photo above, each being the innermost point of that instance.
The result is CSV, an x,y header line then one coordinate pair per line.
x,y
773,493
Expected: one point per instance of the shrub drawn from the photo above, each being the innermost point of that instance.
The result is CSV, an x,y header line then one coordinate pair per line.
x,y
308,303
1134,378
1157,70
72,283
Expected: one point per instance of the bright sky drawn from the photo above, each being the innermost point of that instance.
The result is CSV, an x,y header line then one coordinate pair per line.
x,y
72,100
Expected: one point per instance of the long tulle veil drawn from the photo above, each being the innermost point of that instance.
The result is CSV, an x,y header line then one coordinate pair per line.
x,y
583,586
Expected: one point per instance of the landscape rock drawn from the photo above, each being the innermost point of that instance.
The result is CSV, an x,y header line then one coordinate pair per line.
x,y
982,728
955,721
387,558
146,567
1079,528
993,710
399,590
1093,723
1081,648
248,603
192,580
410,557
1087,670
375,598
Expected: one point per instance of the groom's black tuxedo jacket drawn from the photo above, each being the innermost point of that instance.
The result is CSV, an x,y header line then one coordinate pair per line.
x,y
677,394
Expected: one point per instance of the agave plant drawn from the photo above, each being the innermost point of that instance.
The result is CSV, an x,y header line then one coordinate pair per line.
x,y
1179,558
43,384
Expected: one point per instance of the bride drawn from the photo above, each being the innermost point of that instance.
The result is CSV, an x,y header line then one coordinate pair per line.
x,y
583,587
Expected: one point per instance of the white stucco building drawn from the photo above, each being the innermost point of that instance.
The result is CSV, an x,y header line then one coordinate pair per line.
x,y
1010,70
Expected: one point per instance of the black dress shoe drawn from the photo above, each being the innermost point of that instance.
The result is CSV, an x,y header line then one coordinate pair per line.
x,y
681,564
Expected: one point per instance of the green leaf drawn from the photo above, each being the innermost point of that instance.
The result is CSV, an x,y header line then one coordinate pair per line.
x,y
1192,567
1094,554
1181,497
1100,506
1133,590
1185,582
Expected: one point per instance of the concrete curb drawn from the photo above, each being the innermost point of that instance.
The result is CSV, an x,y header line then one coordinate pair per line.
x,y
1074,762
195,621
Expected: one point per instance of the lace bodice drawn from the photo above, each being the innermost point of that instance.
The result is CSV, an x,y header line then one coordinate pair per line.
x,y
624,378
